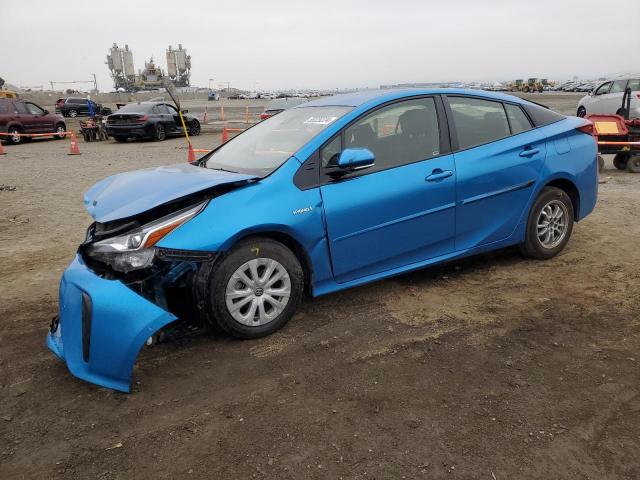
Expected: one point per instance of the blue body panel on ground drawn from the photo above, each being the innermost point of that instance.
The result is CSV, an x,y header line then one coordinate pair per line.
x,y
350,232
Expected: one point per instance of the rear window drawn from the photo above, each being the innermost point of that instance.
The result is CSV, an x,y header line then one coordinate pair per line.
x,y
541,115
136,108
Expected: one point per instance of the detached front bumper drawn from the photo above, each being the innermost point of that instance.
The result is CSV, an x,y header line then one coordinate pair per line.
x,y
103,325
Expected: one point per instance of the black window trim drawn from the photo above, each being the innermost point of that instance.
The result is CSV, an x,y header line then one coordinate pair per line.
x,y
455,145
304,179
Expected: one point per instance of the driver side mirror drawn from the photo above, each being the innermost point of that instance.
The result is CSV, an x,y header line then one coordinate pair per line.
x,y
352,159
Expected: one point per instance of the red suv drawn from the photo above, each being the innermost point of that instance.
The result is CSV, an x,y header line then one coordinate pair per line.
x,y
20,116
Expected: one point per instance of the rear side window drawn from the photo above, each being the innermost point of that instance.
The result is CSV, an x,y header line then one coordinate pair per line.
x,y
20,107
517,119
478,121
4,107
542,116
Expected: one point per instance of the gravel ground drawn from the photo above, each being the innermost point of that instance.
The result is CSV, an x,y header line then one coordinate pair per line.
x,y
493,367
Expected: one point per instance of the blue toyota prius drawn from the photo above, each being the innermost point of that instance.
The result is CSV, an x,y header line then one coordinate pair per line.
x,y
324,196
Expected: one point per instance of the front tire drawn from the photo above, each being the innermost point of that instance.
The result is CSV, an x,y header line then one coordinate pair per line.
x,y
254,289
60,131
194,128
582,112
549,225
14,136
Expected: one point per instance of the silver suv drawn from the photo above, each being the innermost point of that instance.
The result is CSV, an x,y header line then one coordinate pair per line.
x,y
606,98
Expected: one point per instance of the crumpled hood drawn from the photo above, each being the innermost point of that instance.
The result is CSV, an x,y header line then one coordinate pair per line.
x,y
131,193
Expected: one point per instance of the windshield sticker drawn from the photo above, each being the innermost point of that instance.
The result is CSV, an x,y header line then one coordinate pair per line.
x,y
320,120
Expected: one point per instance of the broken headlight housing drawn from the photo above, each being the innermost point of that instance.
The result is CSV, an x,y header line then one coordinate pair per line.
x,y
135,250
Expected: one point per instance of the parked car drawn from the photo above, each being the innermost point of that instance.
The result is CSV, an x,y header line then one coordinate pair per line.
x,y
607,98
155,120
213,96
75,106
324,196
21,116
280,104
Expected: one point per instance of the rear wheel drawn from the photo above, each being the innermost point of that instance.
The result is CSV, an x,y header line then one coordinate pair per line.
x,y
549,225
120,139
14,135
255,289
60,131
73,113
159,133
582,112
633,165
620,160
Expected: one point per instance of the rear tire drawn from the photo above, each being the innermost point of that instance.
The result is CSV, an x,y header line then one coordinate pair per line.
x,y
620,160
120,139
549,225
73,113
14,136
633,164
159,133
239,297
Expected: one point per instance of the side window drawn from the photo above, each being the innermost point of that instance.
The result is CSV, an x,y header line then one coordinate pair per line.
x,y
171,109
634,84
21,107
331,151
602,89
618,86
478,121
517,119
34,109
398,134
162,108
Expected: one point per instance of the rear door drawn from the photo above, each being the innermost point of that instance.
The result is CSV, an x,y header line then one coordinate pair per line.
x,y
498,158
401,210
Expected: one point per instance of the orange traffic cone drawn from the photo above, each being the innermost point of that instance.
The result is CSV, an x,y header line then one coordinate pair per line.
x,y
204,119
191,156
225,135
74,150
2,152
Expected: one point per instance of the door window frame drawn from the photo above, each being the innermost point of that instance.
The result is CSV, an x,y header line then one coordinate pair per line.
x,y
596,94
312,174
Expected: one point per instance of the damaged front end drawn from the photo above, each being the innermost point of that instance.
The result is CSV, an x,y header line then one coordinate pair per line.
x,y
122,289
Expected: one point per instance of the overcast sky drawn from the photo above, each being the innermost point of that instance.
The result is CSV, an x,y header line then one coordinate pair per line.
x,y
323,44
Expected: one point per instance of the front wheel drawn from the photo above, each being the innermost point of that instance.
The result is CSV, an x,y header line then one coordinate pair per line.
x,y
194,128
254,289
60,131
549,225
14,135
582,112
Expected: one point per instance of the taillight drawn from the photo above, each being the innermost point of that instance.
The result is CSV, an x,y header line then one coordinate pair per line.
x,y
587,128
264,116
142,119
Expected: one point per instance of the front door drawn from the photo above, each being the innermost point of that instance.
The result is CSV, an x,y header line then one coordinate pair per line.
x,y
401,210
42,123
498,161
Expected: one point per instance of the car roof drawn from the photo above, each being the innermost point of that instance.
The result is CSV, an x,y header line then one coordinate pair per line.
x,y
357,99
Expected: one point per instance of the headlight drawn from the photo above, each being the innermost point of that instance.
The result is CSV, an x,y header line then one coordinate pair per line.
x,y
135,250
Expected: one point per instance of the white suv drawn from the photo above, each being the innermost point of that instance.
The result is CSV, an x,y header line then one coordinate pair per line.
x,y
607,97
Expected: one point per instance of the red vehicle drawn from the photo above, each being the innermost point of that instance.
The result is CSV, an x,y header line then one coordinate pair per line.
x,y
21,116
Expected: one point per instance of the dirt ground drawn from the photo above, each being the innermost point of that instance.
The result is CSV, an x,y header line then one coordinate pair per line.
x,y
492,368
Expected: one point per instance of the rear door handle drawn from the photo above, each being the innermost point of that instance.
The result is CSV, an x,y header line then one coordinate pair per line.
x,y
438,174
529,152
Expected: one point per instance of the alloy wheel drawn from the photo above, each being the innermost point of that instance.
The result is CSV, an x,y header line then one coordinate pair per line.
x,y
552,224
258,291
15,135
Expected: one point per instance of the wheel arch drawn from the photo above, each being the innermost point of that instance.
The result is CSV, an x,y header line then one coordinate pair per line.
x,y
571,190
288,241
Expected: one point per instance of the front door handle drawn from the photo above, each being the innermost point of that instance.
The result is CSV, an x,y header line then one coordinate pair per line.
x,y
438,174
529,152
